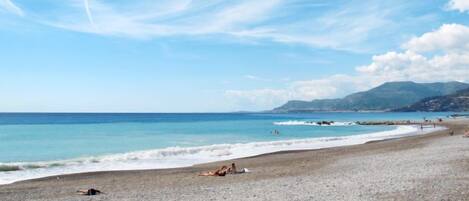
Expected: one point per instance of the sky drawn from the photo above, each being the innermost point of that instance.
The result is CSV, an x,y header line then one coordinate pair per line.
x,y
220,55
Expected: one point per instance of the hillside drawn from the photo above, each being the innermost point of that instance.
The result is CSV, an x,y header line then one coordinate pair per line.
x,y
385,97
457,102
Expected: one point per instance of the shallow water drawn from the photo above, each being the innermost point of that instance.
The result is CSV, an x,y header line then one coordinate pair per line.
x,y
50,144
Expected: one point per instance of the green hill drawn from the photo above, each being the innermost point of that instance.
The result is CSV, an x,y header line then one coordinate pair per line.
x,y
385,97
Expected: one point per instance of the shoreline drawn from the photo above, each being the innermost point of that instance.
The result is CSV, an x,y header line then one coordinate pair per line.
x,y
276,168
257,149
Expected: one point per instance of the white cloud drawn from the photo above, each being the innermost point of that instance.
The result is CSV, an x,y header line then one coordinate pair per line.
x,y
459,5
449,37
258,98
9,6
442,55
446,58
329,87
266,98
412,66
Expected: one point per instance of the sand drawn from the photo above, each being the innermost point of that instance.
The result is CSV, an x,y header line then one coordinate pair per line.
x,y
434,166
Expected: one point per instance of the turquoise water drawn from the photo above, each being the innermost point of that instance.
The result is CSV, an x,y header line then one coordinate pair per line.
x,y
49,144
42,137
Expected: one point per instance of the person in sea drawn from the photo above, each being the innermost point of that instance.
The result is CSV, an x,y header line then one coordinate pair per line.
x,y
223,170
275,132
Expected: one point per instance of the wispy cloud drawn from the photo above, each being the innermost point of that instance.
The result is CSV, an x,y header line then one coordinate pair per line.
x,y
9,6
344,27
180,17
255,78
88,11
321,24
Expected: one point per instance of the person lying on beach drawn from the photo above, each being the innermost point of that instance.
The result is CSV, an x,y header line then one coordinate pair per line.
x,y
223,170
466,133
90,191
218,172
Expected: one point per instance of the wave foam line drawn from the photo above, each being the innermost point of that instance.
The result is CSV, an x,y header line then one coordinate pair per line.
x,y
312,123
173,157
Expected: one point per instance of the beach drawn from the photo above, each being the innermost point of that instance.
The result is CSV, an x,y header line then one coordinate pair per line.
x,y
433,166
219,100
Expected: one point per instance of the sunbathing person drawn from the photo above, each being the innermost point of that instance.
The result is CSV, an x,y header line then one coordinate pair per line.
x,y
218,172
222,171
466,134
232,170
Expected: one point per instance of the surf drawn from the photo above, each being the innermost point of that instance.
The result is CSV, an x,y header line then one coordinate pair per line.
x,y
313,123
173,157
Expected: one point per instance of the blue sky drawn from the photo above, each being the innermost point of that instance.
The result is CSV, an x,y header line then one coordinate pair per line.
x,y
215,56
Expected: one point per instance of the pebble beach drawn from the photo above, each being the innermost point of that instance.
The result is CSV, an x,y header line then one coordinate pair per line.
x,y
433,166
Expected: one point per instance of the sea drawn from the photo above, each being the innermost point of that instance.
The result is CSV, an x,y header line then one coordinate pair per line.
x,y
35,145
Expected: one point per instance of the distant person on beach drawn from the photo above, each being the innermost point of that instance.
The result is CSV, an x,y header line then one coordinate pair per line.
x,y
234,170
223,170
90,191
421,126
218,172
466,133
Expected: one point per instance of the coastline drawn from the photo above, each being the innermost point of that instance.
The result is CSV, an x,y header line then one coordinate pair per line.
x,y
179,157
273,172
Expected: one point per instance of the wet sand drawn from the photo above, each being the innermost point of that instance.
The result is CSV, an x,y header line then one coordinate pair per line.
x,y
434,166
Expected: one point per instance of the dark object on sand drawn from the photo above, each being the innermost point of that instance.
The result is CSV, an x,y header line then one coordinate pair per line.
x,y
451,133
90,191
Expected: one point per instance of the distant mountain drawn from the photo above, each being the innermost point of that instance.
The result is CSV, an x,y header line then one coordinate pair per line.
x,y
457,102
388,96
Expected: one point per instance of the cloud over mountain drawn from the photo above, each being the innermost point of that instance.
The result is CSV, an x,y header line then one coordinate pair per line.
x,y
439,55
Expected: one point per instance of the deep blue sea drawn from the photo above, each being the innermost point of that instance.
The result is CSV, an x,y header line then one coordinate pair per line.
x,y
43,144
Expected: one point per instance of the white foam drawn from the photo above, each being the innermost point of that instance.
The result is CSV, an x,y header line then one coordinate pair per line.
x,y
311,123
186,156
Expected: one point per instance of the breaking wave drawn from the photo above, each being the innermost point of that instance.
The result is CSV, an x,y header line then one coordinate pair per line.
x,y
185,156
313,123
